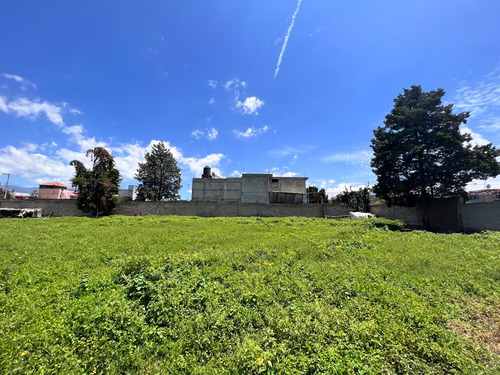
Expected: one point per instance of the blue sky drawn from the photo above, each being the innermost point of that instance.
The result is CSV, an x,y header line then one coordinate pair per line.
x,y
207,78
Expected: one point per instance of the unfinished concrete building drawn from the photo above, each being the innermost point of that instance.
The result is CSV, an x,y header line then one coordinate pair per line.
x,y
249,188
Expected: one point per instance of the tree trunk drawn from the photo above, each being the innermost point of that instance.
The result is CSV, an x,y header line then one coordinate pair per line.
x,y
424,202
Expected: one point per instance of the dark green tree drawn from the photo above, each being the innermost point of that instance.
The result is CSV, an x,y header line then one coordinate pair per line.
x,y
97,188
421,153
160,176
315,195
357,200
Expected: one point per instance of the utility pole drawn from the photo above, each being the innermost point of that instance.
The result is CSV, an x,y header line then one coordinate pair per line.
x,y
7,184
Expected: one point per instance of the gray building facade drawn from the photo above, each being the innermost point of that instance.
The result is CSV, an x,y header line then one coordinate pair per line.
x,y
249,188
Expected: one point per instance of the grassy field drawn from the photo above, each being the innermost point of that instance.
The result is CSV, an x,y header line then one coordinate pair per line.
x,y
190,295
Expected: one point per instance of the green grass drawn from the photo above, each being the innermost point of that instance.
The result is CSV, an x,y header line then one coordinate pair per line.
x,y
190,295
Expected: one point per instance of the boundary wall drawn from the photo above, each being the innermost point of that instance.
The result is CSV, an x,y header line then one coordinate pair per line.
x,y
447,214
185,208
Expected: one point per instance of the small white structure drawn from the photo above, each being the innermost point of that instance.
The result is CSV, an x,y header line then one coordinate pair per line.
x,y
360,215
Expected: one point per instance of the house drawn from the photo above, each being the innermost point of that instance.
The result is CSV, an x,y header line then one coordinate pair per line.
x,y
249,188
55,190
484,196
130,192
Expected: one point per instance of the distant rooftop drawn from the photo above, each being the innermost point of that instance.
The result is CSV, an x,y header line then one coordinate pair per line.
x,y
58,184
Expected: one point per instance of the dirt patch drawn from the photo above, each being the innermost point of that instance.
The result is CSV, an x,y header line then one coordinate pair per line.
x,y
481,324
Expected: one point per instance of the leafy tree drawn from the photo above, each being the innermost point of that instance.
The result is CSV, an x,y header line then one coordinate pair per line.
x,y
315,195
421,153
160,176
97,188
358,200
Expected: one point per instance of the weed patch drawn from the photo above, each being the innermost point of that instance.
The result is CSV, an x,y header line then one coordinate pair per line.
x,y
245,295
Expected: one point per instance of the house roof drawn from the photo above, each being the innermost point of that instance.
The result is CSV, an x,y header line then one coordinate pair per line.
x,y
58,184
484,192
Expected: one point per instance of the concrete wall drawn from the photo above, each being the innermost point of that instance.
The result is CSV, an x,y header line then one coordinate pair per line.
x,y
447,214
228,209
216,190
185,208
474,217
407,214
255,188
481,216
58,207
444,214
289,184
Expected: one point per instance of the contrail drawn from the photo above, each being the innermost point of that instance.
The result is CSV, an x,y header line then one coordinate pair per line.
x,y
283,48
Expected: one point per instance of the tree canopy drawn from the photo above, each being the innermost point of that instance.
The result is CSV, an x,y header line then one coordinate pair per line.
x,y
160,176
421,153
316,195
97,188
356,200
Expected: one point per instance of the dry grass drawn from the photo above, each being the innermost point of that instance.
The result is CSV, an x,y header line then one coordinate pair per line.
x,y
481,325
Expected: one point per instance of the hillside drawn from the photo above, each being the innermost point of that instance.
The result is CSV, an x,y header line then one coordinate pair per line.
x,y
245,295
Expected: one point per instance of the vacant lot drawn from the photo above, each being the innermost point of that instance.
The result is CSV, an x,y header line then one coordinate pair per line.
x,y
245,295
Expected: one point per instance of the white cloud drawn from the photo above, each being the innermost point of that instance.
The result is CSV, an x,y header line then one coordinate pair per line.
x,y
74,111
285,43
24,107
251,132
492,123
24,82
35,166
289,150
195,165
482,184
236,174
133,154
477,139
76,133
231,84
358,157
282,172
212,134
482,100
31,147
29,164
212,83
197,134
480,97
340,188
250,105
3,104
211,101
32,165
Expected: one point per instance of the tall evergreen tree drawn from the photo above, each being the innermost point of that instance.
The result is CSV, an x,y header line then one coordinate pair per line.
x,y
421,153
160,176
97,188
